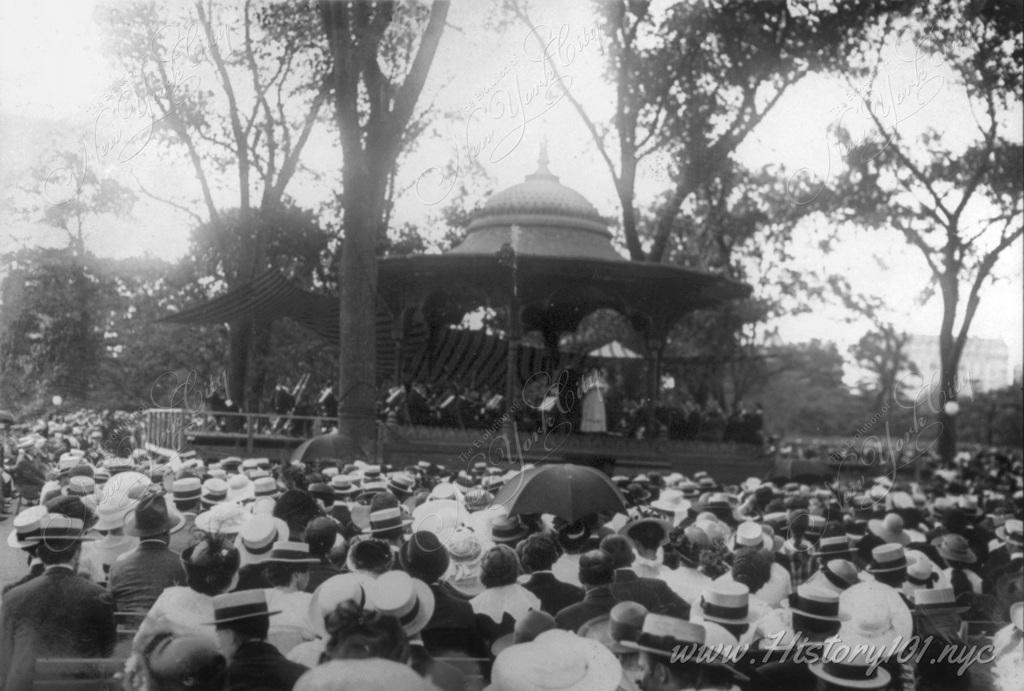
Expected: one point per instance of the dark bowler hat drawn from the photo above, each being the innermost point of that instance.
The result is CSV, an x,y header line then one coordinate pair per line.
x,y
153,516
244,604
424,557
185,662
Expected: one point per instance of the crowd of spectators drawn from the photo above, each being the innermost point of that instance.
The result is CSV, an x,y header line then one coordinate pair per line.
x,y
340,574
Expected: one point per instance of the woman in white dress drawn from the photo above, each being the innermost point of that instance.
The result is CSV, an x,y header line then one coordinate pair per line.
x,y
592,388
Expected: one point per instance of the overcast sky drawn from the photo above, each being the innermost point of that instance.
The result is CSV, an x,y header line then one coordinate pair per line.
x,y
57,89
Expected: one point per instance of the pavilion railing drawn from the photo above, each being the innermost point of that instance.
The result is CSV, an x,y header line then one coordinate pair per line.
x,y
173,428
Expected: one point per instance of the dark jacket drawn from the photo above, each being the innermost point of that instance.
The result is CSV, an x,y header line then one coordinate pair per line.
x,y
183,539
137,580
596,602
554,595
452,630
653,593
442,675
36,569
259,666
57,614
250,577
318,573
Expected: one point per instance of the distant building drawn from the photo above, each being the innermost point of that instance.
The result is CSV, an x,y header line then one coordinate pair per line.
x,y
984,365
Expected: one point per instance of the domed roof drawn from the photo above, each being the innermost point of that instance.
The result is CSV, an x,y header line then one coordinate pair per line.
x,y
539,216
540,193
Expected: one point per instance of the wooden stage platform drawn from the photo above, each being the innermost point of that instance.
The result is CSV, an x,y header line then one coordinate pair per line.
x,y
460,448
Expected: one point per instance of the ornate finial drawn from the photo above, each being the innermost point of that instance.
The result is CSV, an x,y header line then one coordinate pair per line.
x,y
542,159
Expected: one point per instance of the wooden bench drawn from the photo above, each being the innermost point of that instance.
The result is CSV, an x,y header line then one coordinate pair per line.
x,y
77,674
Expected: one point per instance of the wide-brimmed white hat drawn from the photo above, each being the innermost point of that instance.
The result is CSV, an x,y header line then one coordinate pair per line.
x,y
337,590
890,529
112,511
556,661
877,616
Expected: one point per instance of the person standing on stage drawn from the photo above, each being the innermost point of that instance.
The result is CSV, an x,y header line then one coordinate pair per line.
x,y
592,389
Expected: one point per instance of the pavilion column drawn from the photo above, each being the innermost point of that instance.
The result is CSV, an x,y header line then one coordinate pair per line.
x,y
512,384
655,349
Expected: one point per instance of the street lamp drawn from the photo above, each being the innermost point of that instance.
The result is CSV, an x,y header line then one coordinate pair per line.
x,y
951,408
57,401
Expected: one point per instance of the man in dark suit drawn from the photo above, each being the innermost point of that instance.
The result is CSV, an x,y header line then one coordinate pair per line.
x,y
57,614
242,621
138,577
538,553
596,572
653,593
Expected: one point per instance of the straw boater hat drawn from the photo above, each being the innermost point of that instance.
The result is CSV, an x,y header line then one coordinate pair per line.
x,y
1011,531
287,552
26,526
508,529
153,516
886,558
921,573
385,519
834,547
410,600
852,671
750,534
81,486
343,488
244,604
264,487
187,490
836,575
214,491
816,603
55,528
727,603
556,660
257,536
401,483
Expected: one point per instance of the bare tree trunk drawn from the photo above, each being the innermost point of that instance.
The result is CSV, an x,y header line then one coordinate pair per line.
x,y
357,278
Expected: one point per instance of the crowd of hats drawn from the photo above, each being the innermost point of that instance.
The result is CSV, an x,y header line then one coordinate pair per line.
x,y
869,562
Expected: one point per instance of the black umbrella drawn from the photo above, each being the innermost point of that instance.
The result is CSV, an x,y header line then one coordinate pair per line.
x,y
321,446
565,490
